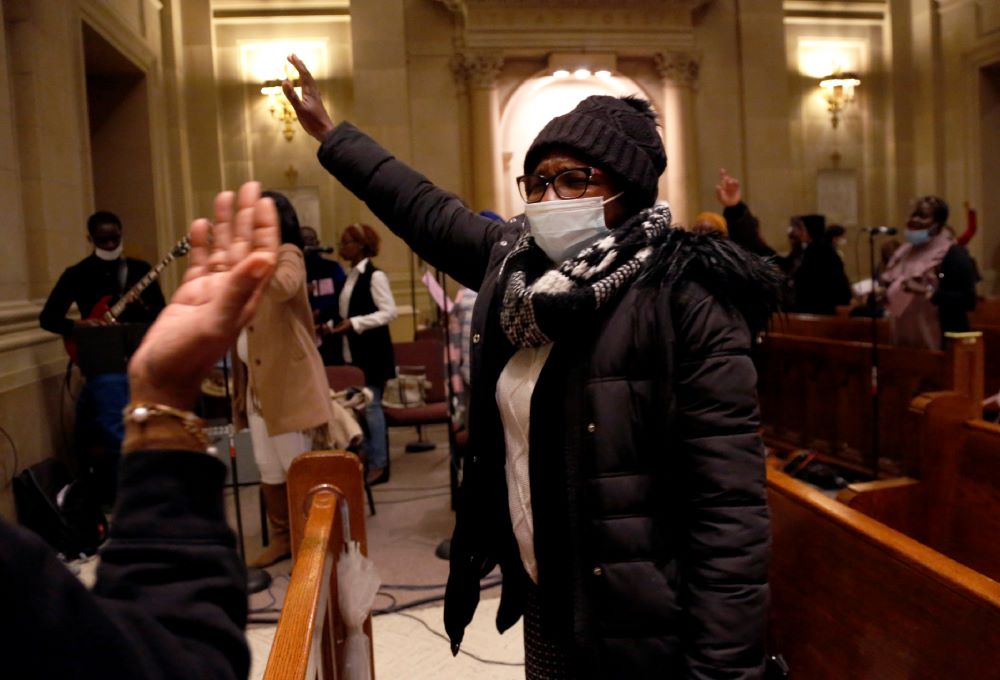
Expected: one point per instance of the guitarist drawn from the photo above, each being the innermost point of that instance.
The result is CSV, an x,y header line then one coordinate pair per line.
x,y
102,277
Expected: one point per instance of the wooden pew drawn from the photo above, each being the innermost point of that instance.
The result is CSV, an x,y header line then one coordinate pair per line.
x,y
985,318
953,505
853,598
987,312
326,501
832,327
815,393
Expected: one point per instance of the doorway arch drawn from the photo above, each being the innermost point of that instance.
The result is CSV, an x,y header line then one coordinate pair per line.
x,y
533,104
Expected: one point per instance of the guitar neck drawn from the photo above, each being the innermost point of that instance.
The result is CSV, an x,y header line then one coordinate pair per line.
x,y
135,291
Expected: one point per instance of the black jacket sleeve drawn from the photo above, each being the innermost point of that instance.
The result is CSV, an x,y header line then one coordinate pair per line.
x,y
53,315
433,222
726,536
956,292
744,229
170,597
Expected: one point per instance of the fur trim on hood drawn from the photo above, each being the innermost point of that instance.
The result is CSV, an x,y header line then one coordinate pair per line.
x,y
735,277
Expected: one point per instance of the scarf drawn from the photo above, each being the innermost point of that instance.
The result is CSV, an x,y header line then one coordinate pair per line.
x,y
542,304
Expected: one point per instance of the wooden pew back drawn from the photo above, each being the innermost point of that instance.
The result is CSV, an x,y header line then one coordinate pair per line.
x,y
954,505
326,504
832,327
987,312
852,598
816,393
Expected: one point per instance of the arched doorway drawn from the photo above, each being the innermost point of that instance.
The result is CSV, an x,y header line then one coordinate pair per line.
x,y
534,103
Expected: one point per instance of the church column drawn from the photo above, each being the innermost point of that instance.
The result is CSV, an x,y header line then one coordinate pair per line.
x,y
679,73
479,72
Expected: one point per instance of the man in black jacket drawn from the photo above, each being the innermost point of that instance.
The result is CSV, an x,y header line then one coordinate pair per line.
x,y
170,596
94,285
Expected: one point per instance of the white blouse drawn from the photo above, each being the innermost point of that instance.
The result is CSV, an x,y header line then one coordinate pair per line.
x,y
514,389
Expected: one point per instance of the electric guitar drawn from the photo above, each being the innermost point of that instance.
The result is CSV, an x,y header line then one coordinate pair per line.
x,y
109,313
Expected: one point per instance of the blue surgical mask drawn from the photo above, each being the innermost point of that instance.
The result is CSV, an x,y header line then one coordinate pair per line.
x,y
918,237
564,228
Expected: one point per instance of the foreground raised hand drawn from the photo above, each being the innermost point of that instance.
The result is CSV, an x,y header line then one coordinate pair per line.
x,y
309,107
231,261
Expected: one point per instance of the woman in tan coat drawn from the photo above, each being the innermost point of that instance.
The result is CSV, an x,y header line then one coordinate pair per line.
x,y
280,383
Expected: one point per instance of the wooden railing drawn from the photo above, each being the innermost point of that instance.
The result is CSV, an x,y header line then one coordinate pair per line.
x,y
325,497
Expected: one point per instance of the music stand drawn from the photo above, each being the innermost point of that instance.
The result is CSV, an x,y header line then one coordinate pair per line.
x,y
107,349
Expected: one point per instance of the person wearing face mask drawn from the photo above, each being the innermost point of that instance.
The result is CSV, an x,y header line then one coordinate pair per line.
x,y
615,469
930,281
817,282
324,279
104,274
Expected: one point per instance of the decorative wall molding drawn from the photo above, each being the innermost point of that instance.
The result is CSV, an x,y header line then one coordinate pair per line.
x,y
477,69
534,27
455,6
824,11
948,5
677,68
19,326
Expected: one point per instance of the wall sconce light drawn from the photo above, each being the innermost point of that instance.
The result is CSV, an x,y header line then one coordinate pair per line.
x,y
838,91
279,106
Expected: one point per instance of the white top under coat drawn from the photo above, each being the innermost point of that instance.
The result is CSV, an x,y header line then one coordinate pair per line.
x,y
514,389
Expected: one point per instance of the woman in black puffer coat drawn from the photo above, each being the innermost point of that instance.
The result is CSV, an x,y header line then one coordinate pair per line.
x,y
616,473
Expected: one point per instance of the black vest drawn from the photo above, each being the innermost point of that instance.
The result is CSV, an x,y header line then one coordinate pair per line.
x,y
371,351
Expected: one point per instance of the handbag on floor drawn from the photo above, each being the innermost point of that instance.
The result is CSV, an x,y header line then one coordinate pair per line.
x,y
407,389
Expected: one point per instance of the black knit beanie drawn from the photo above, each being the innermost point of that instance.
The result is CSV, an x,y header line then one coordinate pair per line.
x,y
616,134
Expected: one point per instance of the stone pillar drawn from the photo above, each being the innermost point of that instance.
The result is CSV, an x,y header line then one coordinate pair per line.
x,y
478,72
679,73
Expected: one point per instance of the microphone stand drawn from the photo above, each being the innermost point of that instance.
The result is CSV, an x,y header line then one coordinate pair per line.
x,y
257,579
873,312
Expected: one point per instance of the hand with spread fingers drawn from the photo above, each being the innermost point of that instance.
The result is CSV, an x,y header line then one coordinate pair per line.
x,y
231,262
309,107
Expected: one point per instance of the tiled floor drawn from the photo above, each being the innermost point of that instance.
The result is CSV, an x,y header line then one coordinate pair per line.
x,y
413,515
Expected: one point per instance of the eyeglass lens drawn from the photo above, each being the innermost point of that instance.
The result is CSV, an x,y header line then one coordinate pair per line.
x,y
568,184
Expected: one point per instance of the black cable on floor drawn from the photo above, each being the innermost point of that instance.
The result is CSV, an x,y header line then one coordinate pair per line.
x,y
381,501
491,662
427,600
437,487
488,581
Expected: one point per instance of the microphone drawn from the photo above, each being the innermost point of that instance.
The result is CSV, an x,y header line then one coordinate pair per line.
x,y
888,231
329,249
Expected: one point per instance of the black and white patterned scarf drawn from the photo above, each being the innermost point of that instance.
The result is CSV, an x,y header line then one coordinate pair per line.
x,y
542,304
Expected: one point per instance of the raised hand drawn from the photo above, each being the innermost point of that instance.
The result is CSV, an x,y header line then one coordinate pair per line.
x,y
728,189
231,262
309,108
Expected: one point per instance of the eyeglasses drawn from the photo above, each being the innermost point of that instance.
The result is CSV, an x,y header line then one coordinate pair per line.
x,y
568,184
